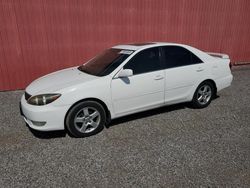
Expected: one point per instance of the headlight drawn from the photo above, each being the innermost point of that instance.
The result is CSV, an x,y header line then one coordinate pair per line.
x,y
44,99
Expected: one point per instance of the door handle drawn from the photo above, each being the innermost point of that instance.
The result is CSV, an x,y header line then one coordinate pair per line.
x,y
158,77
199,69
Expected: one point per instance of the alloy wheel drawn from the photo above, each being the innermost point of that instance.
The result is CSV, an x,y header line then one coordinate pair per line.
x,y
204,94
87,120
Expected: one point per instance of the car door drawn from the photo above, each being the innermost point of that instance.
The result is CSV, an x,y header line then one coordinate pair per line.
x,y
144,89
182,71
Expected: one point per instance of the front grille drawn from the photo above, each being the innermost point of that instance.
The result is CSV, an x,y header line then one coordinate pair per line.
x,y
27,96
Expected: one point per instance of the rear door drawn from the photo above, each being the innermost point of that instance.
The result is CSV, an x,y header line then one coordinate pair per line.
x,y
182,71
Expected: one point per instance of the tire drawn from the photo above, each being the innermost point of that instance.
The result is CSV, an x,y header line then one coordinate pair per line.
x,y
85,119
203,95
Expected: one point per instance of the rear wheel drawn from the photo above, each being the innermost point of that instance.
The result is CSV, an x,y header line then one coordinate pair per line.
x,y
85,119
203,95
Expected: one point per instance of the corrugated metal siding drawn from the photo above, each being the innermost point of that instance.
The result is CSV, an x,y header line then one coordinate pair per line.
x,y
37,37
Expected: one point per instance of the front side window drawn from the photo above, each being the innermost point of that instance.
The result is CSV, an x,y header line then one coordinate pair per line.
x,y
176,56
106,62
145,61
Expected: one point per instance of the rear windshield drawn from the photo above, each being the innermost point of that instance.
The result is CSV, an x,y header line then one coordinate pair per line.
x,y
106,62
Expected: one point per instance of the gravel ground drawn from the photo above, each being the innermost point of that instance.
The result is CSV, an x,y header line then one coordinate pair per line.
x,y
173,146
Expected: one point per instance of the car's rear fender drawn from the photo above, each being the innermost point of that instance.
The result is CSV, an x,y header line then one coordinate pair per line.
x,y
195,86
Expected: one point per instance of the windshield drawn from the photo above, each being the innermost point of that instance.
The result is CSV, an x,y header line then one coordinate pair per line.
x,y
106,62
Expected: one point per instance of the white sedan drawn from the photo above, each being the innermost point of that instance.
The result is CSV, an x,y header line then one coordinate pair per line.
x,y
123,80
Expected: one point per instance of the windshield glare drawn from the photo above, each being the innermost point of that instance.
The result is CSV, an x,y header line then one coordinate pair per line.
x,y
106,62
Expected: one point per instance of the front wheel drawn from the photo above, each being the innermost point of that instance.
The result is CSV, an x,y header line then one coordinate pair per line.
x,y
203,95
85,119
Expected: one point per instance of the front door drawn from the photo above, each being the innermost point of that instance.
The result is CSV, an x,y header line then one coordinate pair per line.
x,y
144,89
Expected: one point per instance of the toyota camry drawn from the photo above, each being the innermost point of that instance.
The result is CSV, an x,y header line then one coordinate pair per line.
x,y
123,80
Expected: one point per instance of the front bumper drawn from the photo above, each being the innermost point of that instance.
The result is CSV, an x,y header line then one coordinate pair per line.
x,y
53,116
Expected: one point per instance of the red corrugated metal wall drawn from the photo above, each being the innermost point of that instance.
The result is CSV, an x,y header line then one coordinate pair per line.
x,y
40,36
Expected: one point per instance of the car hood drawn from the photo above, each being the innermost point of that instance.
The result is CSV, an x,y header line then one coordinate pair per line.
x,y
58,80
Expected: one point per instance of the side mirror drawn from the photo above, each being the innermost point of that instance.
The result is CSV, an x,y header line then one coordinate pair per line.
x,y
125,73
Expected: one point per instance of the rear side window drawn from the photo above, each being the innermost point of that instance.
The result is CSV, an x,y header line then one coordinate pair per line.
x,y
145,61
176,56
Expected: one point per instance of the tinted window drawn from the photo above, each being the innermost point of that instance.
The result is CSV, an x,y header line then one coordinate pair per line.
x,y
110,68
106,62
176,56
145,61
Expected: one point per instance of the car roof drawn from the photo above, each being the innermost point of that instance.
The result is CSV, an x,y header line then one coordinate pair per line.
x,y
138,46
